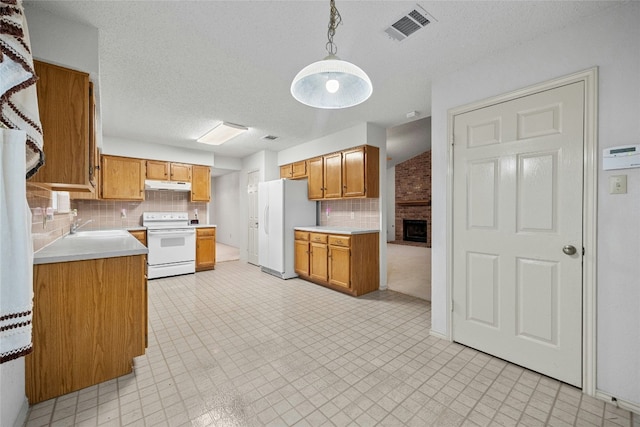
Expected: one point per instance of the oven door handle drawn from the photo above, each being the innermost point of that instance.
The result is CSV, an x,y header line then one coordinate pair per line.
x,y
171,232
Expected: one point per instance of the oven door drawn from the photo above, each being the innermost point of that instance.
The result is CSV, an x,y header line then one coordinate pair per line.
x,y
167,246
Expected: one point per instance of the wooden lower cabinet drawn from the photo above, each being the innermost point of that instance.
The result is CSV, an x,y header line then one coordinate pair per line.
x,y
141,235
89,322
205,248
346,263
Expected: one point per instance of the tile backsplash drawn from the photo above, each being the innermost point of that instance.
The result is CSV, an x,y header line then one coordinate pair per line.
x,y
100,214
338,213
114,214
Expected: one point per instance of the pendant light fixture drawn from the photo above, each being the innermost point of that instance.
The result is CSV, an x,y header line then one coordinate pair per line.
x,y
331,83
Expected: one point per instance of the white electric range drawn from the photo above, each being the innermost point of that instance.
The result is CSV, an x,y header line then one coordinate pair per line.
x,y
171,242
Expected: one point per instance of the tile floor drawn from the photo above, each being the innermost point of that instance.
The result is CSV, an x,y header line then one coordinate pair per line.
x,y
236,347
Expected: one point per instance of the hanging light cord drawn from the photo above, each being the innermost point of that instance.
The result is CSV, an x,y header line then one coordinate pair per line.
x,y
334,20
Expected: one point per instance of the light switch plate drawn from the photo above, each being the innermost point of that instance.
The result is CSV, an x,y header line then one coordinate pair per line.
x,y
618,184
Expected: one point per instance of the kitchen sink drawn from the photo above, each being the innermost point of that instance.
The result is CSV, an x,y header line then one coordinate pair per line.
x,y
97,234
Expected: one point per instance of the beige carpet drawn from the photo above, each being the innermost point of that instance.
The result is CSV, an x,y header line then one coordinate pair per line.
x,y
409,270
226,253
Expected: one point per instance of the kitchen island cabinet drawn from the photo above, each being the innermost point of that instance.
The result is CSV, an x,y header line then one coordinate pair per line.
x,y
89,322
347,263
122,178
205,248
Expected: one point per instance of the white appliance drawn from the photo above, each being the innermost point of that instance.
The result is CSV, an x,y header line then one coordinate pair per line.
x,y
171,243
283,205
150,184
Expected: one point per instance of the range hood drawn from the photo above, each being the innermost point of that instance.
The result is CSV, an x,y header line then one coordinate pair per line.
x,y
167,185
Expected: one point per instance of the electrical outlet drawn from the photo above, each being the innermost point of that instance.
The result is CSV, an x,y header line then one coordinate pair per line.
x,y
618,184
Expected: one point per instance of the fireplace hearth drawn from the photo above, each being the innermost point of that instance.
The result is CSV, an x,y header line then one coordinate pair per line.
x,y
414,230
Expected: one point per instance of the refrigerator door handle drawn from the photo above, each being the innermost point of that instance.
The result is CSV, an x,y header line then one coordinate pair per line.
x,y
265,219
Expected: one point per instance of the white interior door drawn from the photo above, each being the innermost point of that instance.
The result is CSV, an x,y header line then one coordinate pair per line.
x,y
517,202
252,190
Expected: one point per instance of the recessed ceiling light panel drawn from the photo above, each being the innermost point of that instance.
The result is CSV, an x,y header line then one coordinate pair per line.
x,y
222,133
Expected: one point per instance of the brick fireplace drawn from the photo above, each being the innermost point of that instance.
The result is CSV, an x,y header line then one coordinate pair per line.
x,y
413,195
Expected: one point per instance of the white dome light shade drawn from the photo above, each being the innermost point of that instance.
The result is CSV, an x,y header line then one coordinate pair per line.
x,y
352,86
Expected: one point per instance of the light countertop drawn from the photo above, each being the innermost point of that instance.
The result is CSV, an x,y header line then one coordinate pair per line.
x,y
86,245
336,230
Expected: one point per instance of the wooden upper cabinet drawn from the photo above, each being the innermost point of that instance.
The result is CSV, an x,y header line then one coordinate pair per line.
x,y
299,169
333,176
180,172
158,170
201,183
64,100
349,173
360,172
122,178
286,171
294,170
315,184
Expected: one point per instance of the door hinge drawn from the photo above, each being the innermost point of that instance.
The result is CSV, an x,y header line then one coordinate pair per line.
x,y
583,251
452,305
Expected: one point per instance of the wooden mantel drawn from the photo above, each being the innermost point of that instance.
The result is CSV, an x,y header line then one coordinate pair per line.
x,y
413,202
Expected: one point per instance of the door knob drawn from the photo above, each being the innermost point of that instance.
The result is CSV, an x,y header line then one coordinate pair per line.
x,y
569,250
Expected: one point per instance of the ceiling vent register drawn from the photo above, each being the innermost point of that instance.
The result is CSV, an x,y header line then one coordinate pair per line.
x,y
409,23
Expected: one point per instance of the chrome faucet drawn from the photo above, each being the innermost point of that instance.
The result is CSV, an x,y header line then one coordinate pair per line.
x,y
75,226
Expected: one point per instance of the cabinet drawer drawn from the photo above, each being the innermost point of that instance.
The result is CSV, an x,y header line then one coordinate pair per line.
x,y
302,235
318,238
340,241
202,232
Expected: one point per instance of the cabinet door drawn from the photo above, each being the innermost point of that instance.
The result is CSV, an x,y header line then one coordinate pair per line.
x,y
340,266
299,169
201,183
333,176
157,170
301,257
122,178
141,235
180,172
318,261
205,249
353,173
63,103
316,178
286,171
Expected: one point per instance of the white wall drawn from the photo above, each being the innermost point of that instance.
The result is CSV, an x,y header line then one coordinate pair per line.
x,y
612,42
265,163
63,42
225,199
69,44
144,150
391,206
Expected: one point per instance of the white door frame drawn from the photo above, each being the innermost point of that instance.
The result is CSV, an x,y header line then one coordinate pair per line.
x,y
589,207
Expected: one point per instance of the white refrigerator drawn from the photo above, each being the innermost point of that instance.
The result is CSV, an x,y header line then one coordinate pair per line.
x,y
282,205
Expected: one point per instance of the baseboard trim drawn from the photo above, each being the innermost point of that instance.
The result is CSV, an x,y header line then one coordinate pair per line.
x,y
629,406
21,419
438,335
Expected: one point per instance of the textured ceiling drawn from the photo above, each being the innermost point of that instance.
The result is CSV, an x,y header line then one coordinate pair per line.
x,y
171,70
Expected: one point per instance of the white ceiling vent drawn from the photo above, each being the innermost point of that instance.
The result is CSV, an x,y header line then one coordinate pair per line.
x,y
409,23
269,137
